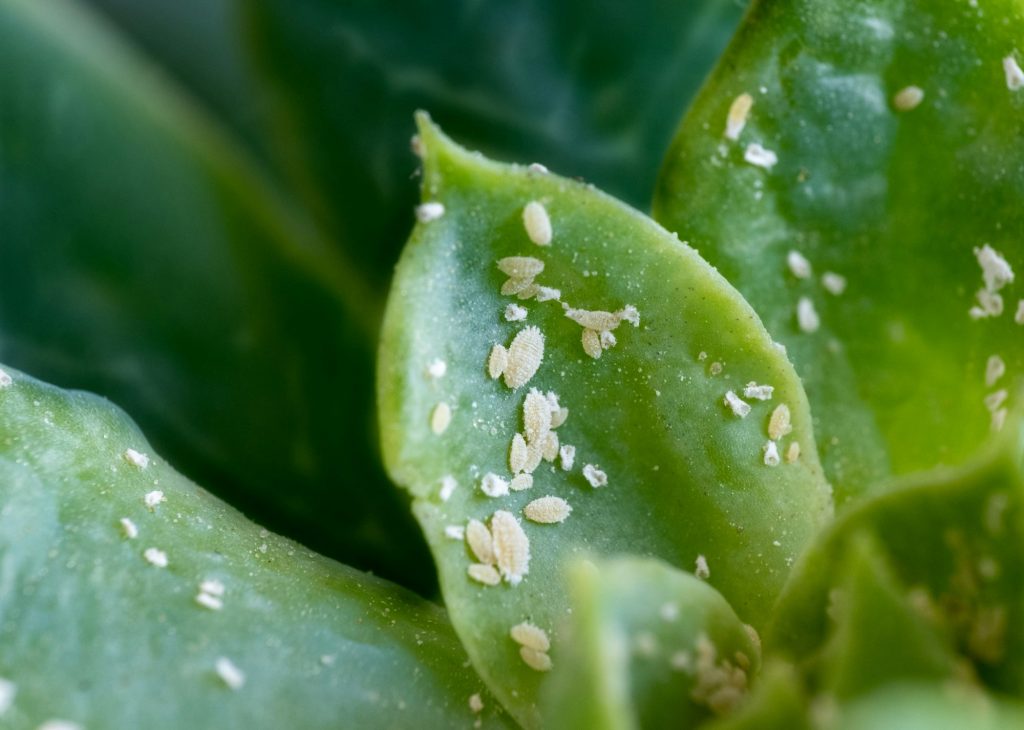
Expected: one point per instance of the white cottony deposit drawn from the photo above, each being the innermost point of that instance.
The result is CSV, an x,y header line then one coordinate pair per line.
x,y
515,313
1014,74
152,499
758,392
594,476
995,271
136,458
437,368
737,405
567,454
493,486
771,454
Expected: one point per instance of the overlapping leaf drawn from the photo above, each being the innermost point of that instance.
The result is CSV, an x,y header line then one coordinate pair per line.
x,y
885,146
142,258
131,598
662,465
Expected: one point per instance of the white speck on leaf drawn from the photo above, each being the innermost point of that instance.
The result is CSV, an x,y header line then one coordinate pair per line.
x,y
431,211
547,510
129,529
758,156
834,283
537,223
739,110
136,458
908,98
594,476
701,569
806,316
440,418
231,675
995,368
737,405
1014,74
155,557
154,498
493,485
798,265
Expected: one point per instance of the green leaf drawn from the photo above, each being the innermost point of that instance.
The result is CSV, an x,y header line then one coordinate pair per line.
x,y
97,630
647,646
685,476
589,89
895,201
145,259
954,540
930,708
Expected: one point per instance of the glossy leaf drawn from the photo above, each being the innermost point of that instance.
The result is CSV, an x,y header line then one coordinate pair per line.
x,y
894,199
954,540
685,476
589,89
145,259
647,646
99,630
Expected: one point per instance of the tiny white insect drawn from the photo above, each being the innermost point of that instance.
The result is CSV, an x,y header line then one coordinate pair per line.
x,y
547,510
798,265
518,454
806,316
493,486
536,660
207,601
526,634
511,547
990,304
128,528
779,423
548,294
834,283
230,674
1019,316
594,476
497,361
793,452
430,211
995,271
758,392
608,340
448,487
597,320
737,405
630,314
771,454
155,557
591,343
515,313
701,569
136,458
486,574
520,482
737,118
440,418
995,368
537,168
1014,74
480,542
213,587
549,446
567,454
525,355
455,532
5,379
437,368
993,401
475,703
908,98
7,692
152,499
536,415
521,267
758,156
537,223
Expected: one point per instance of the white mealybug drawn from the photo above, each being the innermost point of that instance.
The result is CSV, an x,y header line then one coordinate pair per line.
x,y
136,458
480,542
995,271
701,569
518,454
526,634
993,401
806,316
737,405
231,675
520,482
771,454
129,529
547,510
155,557
758,156
537,660
7,691
798,265
209,601
5,379
520,267
594,476
537,223
437,368
486,574
1014,74
779,423
455,532
430,211
536,415
549,446
440,418
1018,317
448,487
908,98
525,355
493,486
737,118
995,368
793,452
476,704
511,547
758,392
213,587
567,454
152,499
834,283
515,313
497,361
592,343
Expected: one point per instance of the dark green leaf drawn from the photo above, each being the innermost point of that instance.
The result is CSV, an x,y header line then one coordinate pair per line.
x,y
143,258
685,476
94,630
589,89
897,202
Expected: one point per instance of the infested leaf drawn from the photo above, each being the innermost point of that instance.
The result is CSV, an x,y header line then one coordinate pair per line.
x,y
132,598
144,258
860,245
650,458
647,646
954,543
776,703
